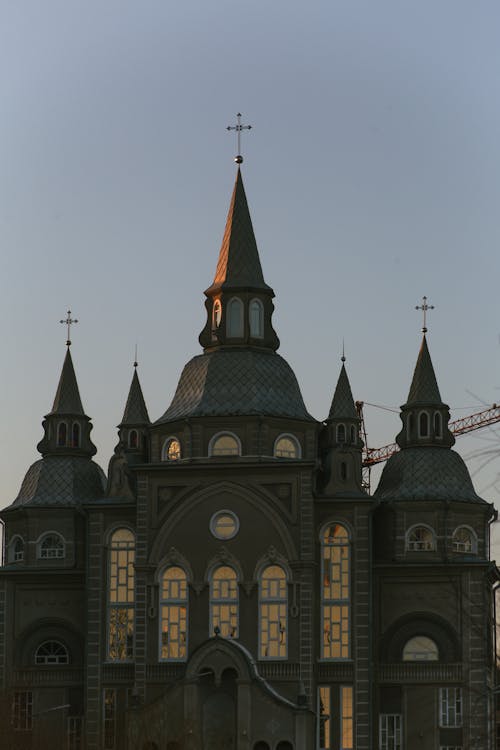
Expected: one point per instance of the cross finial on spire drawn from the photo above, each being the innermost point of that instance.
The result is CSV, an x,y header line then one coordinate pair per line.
x,y
239,127
424,307
68,322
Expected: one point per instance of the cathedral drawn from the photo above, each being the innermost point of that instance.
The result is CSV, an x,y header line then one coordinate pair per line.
x,y
230,584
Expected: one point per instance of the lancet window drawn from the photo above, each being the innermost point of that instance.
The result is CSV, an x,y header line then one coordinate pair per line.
x,y
171,449
173,614
335,588
75,435
256,310
17,550
273,625
235,318
121,596
224,602
62,434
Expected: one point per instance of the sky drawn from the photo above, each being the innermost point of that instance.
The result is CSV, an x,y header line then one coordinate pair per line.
x,y
372,173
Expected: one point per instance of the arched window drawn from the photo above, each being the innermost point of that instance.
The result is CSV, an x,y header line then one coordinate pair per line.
x,y
216,314
121,596
335,588
420,648
17,549
51,547
409,426
62,434
464,540
75,435
235,318
171,449
256,318
224,444
224,602
420,539
286,446
423,424
273,613
353,434
133,439
173,614
51,652
341,433
438,425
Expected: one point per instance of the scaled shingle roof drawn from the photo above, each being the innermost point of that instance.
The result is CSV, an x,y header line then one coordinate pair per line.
x,y
426,473
67,399
236,382
343,403
61,480
135,409
424,387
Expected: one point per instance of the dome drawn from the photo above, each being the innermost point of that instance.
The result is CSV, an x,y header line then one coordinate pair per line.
x,y
426,473
237,382
61,480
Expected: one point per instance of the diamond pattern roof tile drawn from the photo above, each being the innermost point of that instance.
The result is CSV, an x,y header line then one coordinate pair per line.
x,y
67,399
343,403
424,387
135,409
61,480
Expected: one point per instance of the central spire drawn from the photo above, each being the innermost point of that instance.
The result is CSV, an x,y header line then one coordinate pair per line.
x,y
239,302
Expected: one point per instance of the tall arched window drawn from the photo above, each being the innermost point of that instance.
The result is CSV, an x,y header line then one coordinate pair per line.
x,y
273,607
423,424
62,434
335,577
224,602
341,433
235,318
438,425
75,435
173,614
256,310
51,652
217,314
51,547
133,439
17,550
121,596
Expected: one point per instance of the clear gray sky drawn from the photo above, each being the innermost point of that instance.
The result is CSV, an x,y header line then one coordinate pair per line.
x,y
372,173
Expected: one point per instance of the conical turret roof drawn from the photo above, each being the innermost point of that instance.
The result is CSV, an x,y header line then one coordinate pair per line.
x,y
239,262
67,399
424,387
136,412
343,403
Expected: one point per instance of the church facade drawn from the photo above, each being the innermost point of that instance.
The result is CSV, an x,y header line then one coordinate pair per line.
x,y
231,584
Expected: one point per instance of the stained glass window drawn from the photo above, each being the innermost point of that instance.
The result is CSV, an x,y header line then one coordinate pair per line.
x,y
173,614
121,596
273,613
224,602
335,575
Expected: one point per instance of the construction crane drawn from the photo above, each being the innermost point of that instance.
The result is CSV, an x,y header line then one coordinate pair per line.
x,y
372,456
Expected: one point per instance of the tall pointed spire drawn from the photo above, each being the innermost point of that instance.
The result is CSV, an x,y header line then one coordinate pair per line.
x,y
424,387
67,399
239,263
239,302
135,412
343,403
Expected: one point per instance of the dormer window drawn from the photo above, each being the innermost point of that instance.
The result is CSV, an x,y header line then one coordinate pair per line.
x,y
171,449
341,433
420,539
75,435
438,425
286,446
62,434
235,318
256,319
224,444
423,424
133,439
51,547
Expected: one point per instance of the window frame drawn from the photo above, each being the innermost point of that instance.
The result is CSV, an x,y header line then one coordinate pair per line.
x,y
397,741
268,602
233,331
218,436
294,440
22,711
221,601
169,603
255,304
451,716
473,539
342,603
414,528
45,554
14,556
213,521
47,662
165,448
115,606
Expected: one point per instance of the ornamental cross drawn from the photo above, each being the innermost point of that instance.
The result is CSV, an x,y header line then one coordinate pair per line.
x,y
239,127
424,307
68,322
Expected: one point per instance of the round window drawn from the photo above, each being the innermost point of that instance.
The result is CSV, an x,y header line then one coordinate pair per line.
x,y
224,524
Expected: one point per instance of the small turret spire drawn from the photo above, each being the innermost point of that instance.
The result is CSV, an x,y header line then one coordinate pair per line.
x,y
135,412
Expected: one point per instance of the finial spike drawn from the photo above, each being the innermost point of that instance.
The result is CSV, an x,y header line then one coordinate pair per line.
x,y
343,351
68,322
424,307
238,128
135,357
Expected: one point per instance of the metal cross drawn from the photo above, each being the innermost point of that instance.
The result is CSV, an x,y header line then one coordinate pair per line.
x,y
239,127
68,322
424,307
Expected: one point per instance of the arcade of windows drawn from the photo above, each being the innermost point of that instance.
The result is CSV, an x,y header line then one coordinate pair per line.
x,y
66,437
235,318
422,538
227,444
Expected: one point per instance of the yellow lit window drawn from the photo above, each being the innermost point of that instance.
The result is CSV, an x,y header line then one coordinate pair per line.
x,y
224,602
173,614
273,613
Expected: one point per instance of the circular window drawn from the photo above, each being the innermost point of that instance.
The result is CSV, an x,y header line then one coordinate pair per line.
x,y
224,524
